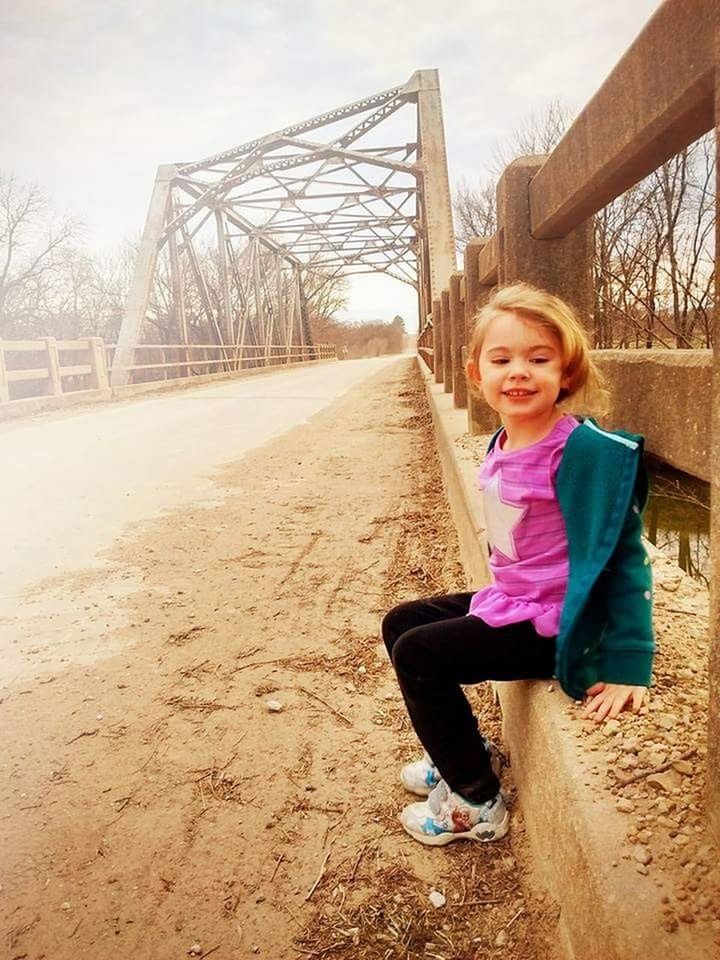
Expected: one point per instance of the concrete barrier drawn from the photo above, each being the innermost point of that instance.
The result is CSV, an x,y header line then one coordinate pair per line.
x,y
664,395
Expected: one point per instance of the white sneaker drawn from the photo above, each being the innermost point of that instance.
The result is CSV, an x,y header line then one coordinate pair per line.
x,y
446,816
422,776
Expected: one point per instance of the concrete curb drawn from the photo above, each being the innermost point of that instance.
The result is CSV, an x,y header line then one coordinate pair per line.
x,y
577,837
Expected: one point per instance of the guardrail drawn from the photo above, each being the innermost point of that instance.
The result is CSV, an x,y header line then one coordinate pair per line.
x,y
227,358
48,369
425,344
32,372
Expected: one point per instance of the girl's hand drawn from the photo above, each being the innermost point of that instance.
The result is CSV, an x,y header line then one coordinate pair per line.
x,y
606,700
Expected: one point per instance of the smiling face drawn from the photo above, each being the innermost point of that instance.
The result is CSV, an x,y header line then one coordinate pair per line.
x,y
520,369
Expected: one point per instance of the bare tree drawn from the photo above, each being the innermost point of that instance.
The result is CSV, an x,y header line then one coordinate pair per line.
x,y
539,133
475,208
654,263
32,240
475,211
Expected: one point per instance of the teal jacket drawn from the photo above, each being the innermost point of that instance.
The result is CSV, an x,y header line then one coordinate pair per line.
x,y
605,629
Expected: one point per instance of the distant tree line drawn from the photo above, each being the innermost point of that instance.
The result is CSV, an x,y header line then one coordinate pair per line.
x,y
654,245
367,338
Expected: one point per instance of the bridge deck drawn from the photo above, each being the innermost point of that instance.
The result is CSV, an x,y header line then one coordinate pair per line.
x,y
150,800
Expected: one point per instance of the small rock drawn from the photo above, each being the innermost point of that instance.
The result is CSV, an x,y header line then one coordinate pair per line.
x,y
195,950
641,868
66,905
625,806
642,855
274,706
436,898
628,762
501,939
686,916
99,716
683,766
664,782
666,720
362,669
611,727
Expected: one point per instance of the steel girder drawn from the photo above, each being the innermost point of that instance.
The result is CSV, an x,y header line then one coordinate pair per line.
x,y
318,196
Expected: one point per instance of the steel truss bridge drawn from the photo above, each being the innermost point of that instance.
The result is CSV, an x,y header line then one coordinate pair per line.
x,y
242,233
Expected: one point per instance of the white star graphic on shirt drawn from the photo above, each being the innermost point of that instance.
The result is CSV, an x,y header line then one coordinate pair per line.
x,y
501,518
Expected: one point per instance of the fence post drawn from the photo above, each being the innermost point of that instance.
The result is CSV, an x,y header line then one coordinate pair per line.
x,y
457,340
562,266
53,363
437,340
482,419
98,363
4,385
446,343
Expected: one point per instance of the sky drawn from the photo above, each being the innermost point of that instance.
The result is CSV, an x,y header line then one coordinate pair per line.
x,y
96,94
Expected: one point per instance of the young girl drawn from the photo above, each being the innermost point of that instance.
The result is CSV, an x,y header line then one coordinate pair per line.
x,y
571,595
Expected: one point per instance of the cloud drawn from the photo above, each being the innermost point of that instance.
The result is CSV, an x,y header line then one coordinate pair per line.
x,y
97,94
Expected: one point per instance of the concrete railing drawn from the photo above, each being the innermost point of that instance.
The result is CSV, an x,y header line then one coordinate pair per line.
x,y
658,99
425,345
47,374
176,361
48,370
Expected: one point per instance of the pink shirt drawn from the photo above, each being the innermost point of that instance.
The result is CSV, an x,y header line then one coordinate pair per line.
x,y
526,530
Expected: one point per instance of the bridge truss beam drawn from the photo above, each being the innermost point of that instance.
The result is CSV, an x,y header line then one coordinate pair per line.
x,y
230,242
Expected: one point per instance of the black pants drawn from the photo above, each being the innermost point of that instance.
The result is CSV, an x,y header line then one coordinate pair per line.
x,y
435,647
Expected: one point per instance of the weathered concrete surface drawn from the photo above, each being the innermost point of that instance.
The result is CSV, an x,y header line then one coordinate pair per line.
x,y
70,483
471,272
446,329
437,340
562,266
457,339
664,395
574,828
657,100
488,261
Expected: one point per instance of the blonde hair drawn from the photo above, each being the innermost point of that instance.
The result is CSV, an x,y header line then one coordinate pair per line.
x,y
585,389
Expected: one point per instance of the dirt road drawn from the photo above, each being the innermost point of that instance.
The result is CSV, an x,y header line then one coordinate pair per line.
x,y
155,806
